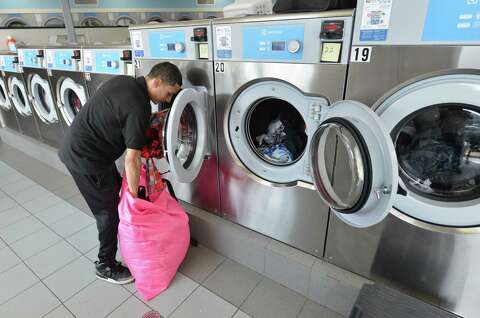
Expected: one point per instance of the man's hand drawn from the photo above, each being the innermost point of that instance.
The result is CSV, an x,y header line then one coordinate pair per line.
x,y
132,170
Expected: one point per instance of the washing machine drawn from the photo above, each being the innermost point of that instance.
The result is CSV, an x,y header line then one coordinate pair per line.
x,y
7,112
18,93
422,79
124,18
17,20
90,19
101,63
40,94
274,76
65,71
190,133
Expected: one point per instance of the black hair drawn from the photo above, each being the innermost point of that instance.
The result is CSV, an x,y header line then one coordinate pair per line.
x,y
167,72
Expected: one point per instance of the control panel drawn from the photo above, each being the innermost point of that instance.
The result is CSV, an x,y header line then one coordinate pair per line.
x,y
312,40
64,59
33,58
180,43
9,63
115,61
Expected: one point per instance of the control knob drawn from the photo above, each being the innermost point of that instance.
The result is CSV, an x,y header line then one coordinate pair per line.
x,y
179,47
294,46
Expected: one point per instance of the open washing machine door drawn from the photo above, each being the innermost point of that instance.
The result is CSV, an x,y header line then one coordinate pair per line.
x,y
4,100
361,189
42,99
71,98
186,134
19,97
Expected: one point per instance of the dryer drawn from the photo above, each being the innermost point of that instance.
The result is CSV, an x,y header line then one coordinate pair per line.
x,y
190,131
7,112
101,63
65,70
40,94
18,93
422,79
274,77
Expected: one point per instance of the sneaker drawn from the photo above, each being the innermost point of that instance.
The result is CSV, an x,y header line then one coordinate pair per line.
x,y
116,274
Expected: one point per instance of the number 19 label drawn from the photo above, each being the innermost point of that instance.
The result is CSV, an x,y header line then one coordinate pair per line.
x,y
361,54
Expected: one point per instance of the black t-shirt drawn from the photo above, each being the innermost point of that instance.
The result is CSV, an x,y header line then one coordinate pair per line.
x,y
116,117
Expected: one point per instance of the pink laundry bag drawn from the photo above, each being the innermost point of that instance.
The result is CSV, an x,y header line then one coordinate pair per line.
x,y
154,236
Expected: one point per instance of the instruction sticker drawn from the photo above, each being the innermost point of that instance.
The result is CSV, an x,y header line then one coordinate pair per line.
x,y
49,59
21,58
375,20
137,43
224,41
88,56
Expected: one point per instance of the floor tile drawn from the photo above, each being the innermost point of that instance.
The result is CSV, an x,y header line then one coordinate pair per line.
x,y
50,178
15,280
71,278
130,287
20,229
67,191
314,310
2,194
30,194
85,239
233,282
241,314
93,254
79,202
203,303
2,243
180,288
97,300
41,203
131,308
17,186
7,203
59,312
8,259
13,215
56,212
72,224
52,259
272,300
11,178
33,302
35,243
200,262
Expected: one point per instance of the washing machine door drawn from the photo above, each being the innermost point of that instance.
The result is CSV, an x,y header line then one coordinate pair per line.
x,y
19,97
42,99
4,100
361,188
71,98
186,134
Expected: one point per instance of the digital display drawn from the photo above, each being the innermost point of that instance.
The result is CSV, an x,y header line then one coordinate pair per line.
x,y
109,63
171,46
278,46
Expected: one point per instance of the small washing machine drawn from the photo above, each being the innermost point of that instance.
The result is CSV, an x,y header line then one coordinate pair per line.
x,y
7,112
101,63
40,94
190,131
65,71
18,93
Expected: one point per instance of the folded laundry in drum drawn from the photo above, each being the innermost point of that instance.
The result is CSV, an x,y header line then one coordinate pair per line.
x,y
277,153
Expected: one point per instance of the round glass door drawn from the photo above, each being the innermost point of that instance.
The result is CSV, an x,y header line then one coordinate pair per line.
x,y
19,96
72,97
91,22
186,134
54,22
42,99
4,101
125,21
362,184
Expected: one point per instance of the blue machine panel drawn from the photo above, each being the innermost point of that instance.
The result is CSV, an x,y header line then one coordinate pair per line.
x,y
63,61
107,62
162,44
8,65
30,59
270,42
452,20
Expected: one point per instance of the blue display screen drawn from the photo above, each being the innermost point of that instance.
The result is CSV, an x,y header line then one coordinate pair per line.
x,y
452,20
269,42
9,66
162,44
30,58
104,62
63,60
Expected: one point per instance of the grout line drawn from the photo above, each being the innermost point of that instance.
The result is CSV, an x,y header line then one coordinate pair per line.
x,y
119,305
303,306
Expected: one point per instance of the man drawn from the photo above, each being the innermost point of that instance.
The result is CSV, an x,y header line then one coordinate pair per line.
x,y
113,120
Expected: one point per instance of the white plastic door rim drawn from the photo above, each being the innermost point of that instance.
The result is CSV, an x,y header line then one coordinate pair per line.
x,y
186,134
364,181
42,99
72,98
19,97
4,100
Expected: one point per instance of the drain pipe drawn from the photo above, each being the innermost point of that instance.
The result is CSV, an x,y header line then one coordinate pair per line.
x,y
67,16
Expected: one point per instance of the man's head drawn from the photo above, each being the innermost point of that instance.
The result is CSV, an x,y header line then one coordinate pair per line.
x,y
163,82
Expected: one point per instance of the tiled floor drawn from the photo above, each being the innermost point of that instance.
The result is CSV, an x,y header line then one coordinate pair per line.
x,y
48,243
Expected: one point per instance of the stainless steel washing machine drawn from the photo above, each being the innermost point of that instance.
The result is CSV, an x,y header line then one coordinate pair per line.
x,y
190,132
7,112
18,93
422,78
274,76
40,94
65,70
101,63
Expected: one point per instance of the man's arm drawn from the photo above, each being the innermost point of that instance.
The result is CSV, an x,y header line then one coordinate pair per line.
x,y
132,170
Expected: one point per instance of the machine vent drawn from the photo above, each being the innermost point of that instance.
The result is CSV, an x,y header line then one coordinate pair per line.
x,y
205,1
86,2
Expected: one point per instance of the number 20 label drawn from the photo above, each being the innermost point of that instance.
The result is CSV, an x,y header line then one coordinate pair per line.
x,y
361,54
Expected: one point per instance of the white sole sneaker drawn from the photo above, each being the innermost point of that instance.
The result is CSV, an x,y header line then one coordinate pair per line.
x,y
112,281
